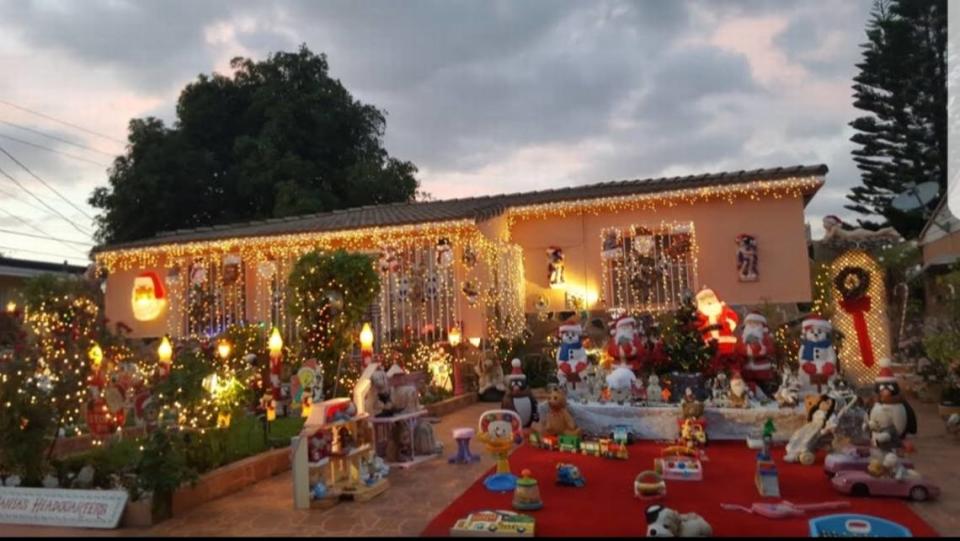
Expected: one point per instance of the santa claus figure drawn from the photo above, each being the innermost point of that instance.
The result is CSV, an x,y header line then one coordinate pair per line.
x,y
626,346
755,349
818,359
571,357
891,418
716,322
519,398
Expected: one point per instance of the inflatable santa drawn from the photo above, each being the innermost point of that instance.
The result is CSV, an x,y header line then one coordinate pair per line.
x,y
716,322
571,356
891,418
818,359
756,349
626,345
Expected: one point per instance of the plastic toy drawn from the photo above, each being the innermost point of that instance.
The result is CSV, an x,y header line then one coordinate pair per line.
x,y
622,434
569,443
499,430
526,497
860,483
665,522
679,463
568,475
649,485
463,456
785,509
852,458
817,433
319,491
767,479
856,526
494,524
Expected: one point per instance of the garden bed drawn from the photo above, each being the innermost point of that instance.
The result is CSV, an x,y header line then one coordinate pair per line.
x,y
445,407
231,478
79,444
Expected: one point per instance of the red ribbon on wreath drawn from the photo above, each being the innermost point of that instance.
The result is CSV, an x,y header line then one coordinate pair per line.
x,y
853,283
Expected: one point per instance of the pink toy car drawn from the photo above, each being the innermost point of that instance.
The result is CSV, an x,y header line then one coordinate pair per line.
x,y
851,459
861,483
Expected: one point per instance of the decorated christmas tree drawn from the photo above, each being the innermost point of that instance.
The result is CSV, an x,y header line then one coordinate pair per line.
x,y
682,342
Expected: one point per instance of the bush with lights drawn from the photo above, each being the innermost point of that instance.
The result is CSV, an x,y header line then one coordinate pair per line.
x,y
328,294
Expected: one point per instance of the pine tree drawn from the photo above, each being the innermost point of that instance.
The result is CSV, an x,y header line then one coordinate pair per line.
x,y
902,85
682,342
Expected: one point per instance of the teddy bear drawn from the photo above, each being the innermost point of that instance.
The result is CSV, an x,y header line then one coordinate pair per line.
x,y
558,419
665,522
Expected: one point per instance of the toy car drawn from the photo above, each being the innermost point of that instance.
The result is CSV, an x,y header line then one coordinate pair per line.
x,y
679,468
569,475
861,483
622,434
851,459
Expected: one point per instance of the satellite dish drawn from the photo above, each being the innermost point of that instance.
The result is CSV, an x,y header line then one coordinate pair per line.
x,y
916,196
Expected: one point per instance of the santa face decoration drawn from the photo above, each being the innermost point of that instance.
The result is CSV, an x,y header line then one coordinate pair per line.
x,y
149,298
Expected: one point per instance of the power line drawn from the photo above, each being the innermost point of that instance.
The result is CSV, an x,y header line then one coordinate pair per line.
x,y
38,230
27,203
44,203
44,237
55,138
55,151
41,253
64,122
52,189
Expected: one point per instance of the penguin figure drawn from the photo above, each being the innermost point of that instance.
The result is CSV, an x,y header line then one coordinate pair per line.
x,y
891,418
518,397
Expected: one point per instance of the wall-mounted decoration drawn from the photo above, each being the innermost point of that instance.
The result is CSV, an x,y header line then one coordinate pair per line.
x,y
643,245
267,269
469,258
231,269
389,262
173,276
471,292
444,252
148,299
747,259
198,274
859,297
555,266
542,305
612,245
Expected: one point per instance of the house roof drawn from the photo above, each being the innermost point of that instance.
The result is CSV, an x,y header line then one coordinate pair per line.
x,y
24,267
472,208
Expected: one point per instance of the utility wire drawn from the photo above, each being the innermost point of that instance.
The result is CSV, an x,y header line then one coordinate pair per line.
x,y
48,149
64,122
17,199
38,230
41,181
44,237
44,203
11,249
55,138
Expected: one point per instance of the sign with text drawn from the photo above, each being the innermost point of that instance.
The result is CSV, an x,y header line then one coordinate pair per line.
x,y
59,507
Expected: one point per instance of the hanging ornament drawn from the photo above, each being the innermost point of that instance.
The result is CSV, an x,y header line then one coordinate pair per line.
x,y
444,251
643,245
469,256
612,245
555,259
231,269
747,258
471,292
389,261
148,299
267,269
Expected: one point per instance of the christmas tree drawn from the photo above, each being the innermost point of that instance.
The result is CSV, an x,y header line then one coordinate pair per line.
x,y
682,342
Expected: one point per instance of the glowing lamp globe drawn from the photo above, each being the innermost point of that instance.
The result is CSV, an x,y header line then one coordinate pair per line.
x,y
95,354
366,338
474,341
275,344
11,307
149,299
223,349
454,336
165,351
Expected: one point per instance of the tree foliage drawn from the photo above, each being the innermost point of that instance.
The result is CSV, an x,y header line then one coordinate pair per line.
x,y
279,137
902,88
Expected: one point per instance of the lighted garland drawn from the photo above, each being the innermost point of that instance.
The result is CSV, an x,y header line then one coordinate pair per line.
x,y
852,282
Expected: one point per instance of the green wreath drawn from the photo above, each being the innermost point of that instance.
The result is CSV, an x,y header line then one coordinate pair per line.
x,y
860,279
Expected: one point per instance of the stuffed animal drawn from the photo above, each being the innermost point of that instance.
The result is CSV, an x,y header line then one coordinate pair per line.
x,y
491,385
665,522
558,420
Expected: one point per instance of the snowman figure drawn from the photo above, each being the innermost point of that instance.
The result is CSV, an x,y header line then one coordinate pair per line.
x,y
818,359
571,357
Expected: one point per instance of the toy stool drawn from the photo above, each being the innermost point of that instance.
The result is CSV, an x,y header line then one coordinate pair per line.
x,y
463,456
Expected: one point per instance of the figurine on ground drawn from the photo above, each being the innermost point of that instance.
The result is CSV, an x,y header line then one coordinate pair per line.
x,y
621,383
756,349
818,359
891,418
558,421
788,394
491,385
820,423
665,522
571,357
519,398
626,345
717,321
739,392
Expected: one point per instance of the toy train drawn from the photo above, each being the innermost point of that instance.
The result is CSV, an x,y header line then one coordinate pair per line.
x,y
602,447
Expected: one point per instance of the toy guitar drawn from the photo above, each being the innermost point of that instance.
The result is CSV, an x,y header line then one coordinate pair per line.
x,y
785,509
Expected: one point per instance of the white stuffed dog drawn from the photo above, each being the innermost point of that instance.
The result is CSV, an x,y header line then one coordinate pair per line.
x,y
665,522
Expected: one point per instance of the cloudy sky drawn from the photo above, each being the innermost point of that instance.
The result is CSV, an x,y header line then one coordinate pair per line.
x,y
483,96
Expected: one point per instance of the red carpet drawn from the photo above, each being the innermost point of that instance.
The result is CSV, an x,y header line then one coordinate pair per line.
x,y
606,505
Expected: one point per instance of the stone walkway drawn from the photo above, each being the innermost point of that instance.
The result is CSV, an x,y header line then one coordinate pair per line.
x,y
417,495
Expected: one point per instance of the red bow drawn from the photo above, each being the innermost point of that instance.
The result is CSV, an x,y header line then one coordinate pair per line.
x,y
857,308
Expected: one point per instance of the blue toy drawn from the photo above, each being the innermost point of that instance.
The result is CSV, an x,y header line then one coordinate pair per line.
x,y
569,475
856,526
319,491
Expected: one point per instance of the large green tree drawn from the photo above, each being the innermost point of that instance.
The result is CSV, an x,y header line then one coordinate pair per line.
x,y
902,88
279,137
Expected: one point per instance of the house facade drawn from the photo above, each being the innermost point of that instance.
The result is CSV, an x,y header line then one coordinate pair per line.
x,y
13,273
488,264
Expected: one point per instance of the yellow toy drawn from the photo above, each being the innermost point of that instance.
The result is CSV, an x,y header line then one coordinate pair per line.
x,y
499,430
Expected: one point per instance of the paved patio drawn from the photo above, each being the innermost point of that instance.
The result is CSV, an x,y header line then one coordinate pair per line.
x,y
416,495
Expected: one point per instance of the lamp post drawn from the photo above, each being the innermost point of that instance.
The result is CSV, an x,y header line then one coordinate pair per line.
x,y
275,345
366,344
164,356
454,337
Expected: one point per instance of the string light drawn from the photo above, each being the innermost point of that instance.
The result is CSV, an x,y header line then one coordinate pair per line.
x,y
849,355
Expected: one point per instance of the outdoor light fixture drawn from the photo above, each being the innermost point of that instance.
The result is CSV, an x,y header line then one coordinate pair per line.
x,y
11,307
275,344
223,349
165,356
366,343
148,300
454,336
475,341
95,354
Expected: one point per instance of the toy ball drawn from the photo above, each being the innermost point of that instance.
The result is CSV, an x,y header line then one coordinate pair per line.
x,y
319,491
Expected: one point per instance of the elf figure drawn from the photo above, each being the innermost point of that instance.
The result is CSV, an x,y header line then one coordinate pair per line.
x,y
756,349
571,356
716,322
626,345
818,360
